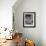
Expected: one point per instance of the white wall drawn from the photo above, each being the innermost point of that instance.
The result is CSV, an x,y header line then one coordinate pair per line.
x,y
29,33
6,13
43,22
37,34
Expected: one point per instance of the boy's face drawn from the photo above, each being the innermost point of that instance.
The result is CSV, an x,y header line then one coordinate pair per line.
x,y
29,19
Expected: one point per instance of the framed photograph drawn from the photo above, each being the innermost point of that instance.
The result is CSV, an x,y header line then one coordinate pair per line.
x,y
29,19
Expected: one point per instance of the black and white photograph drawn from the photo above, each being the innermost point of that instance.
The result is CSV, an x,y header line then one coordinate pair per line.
x,y
29,19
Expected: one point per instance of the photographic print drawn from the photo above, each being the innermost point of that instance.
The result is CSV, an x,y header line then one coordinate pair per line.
x,y
29,19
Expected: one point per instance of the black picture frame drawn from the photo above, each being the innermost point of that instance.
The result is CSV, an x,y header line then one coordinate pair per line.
x,y
29,19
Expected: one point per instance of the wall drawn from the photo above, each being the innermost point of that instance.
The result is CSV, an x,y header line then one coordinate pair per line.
x,y
43,22
29,33
6,13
